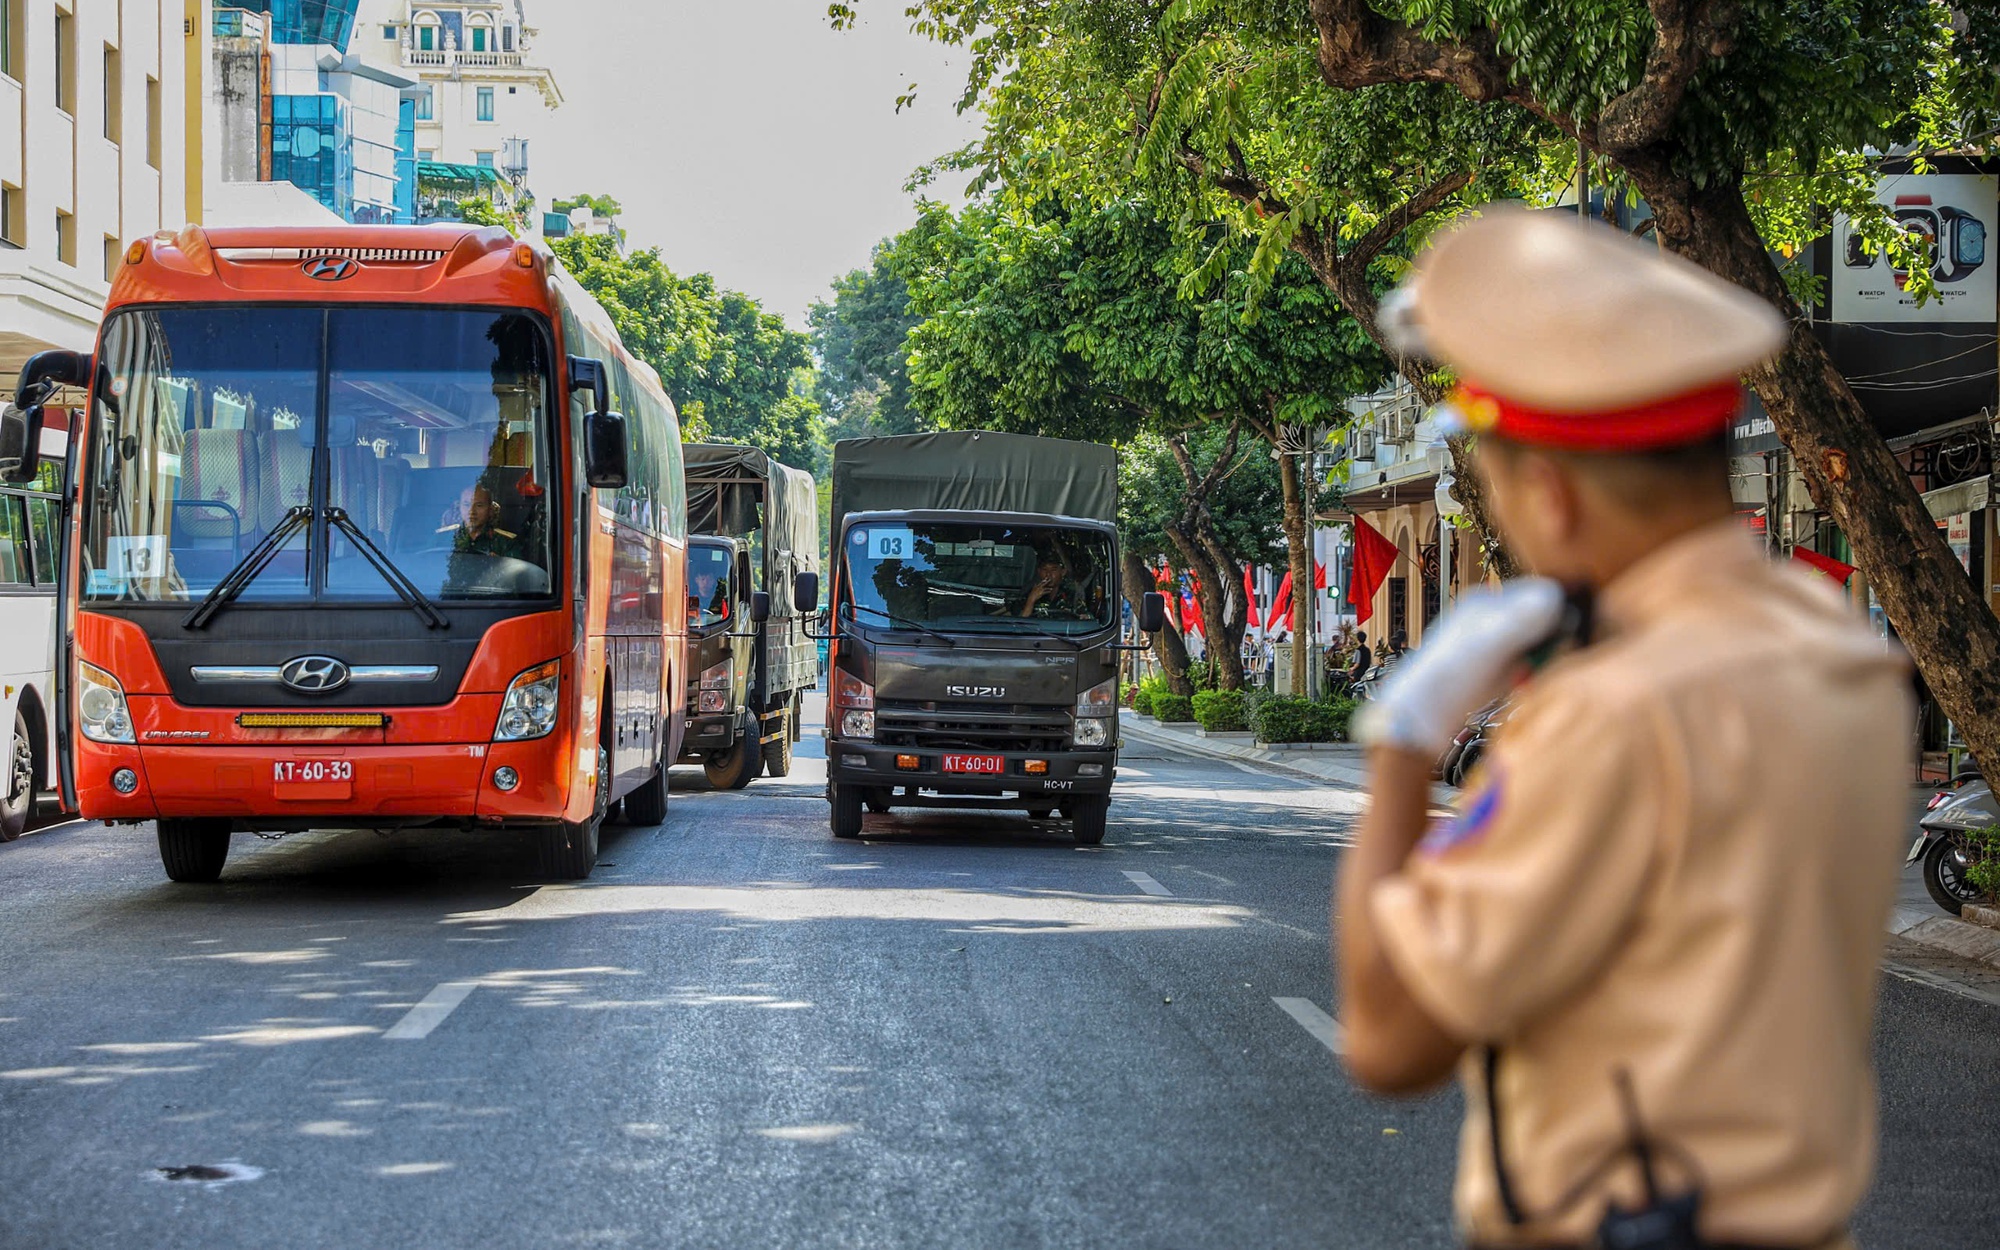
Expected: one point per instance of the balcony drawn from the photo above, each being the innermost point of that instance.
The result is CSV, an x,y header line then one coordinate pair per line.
x,y
455,58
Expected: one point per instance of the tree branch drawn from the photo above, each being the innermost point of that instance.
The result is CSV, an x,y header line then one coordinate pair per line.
x,y
1687,34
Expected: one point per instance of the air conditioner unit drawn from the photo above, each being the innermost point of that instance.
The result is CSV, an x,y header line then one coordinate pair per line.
x,y
1398,425
1361,444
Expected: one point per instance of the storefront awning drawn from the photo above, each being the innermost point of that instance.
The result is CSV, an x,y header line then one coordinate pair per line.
x,y
473,175
1964,497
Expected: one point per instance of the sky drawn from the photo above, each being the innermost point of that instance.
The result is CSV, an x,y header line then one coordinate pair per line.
x,y
746,138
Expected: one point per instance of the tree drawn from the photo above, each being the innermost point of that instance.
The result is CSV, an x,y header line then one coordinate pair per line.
x,y
864,384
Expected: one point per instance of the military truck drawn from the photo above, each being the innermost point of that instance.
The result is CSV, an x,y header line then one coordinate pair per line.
x,y
753,527
975,622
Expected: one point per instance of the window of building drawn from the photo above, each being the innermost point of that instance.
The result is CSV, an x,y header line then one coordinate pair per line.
x,y
153,121
427,37
114,255
486,104
479,34
507,39
10,36
66,63
13,217
427,154
389,32
483,159
65,238
424,107
114,96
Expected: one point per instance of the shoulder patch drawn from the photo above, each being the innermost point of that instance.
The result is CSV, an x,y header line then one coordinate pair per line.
x,y
1469,825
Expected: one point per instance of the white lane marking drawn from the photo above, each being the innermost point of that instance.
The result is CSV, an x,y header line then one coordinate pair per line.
x,y
430,1013
1324,1028
1147,885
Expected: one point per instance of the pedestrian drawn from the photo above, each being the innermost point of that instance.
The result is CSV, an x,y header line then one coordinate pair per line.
x,y
1651,937
1398,643
1363,657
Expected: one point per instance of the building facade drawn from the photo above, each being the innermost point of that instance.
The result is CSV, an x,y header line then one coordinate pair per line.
x,y
92,156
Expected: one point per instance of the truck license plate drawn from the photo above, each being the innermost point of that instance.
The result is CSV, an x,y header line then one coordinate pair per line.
x,y
313,779
995,764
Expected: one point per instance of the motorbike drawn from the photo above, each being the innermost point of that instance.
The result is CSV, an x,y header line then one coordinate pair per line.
x,y
1465,750
1965,805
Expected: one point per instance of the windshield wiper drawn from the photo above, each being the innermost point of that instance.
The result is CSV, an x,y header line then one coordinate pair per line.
x,y
398,581
904,623
238,579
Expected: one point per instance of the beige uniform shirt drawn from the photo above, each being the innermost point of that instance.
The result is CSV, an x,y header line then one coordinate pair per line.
x,y
1678,860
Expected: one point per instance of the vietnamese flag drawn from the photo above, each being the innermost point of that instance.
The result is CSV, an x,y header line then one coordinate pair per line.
x,y
1374,556
1280,616
1833,568
1251,617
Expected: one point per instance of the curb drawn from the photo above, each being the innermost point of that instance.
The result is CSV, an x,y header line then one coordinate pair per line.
x,y
1321,766
1947,935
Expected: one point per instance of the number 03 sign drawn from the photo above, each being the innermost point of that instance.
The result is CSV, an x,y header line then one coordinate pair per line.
x,y
889,542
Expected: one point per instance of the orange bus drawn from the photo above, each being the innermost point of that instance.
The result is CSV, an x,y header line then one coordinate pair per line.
x,y
370,528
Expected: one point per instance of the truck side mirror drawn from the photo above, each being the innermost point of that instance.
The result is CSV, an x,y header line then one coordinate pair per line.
x,y
694,607
1152,613
805,592
20,444
760,607
604,450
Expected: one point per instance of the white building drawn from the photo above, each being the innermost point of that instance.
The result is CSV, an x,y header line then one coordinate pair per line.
x,y
474,57
94,131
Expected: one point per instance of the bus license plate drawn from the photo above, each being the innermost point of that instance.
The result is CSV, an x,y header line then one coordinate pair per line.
x,y
995,764
313,779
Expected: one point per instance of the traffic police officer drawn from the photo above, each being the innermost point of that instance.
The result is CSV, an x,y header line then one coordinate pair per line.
x,y
1651,936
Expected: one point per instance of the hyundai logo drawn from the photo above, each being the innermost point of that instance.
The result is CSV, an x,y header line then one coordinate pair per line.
x,y
314,674
331,268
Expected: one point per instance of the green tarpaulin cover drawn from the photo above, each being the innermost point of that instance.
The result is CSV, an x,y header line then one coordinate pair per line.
x,y
978,471
726,485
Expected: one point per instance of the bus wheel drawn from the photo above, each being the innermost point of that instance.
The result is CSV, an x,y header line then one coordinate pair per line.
x,y
568,849
648,804
194,851
1087,818
737,767
847,811
20,798
778,753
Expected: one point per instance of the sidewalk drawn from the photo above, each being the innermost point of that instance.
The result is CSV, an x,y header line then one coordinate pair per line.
x,y
1343,765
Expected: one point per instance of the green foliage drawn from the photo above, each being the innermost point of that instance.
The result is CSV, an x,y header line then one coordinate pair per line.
x,y
1150,688
479,212
1982,853
1284,718
1220,711
864,382
1173,708
1142,702
601,205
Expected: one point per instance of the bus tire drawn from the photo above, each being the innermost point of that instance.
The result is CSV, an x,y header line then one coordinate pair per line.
x,y
1087,818
567,850
193,851
778,753
846,811
648,804
21,781
736,767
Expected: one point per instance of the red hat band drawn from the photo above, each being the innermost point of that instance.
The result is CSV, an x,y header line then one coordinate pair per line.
x,y
1672,422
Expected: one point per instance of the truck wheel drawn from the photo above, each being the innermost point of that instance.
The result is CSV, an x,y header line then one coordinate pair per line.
x,y
846,811
648,804
735,768
778,754
1087,820
568,849
193,851
20,799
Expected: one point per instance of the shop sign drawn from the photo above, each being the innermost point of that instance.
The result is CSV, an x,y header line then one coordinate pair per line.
x,y
1951,215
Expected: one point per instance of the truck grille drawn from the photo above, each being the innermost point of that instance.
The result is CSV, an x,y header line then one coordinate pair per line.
x,y
971,726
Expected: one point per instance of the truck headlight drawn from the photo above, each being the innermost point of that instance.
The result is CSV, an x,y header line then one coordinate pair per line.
x,y
100,705
858,725
716,678
714,701
1092,731
1099,700
529,711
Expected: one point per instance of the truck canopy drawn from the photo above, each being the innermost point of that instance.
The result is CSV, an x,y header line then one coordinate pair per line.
x,y
974,471
726,485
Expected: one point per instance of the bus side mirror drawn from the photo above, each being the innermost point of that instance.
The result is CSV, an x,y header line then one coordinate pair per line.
x,y
20,444
586,374
805,592
1152,613
604,464
760,607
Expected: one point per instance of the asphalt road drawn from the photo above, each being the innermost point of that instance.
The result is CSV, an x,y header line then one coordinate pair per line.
x,y
964,1031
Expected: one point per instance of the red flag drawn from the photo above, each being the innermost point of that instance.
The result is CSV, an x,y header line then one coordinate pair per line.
x,y
1833,568
1319,576
1374,556
1251,617
1281,605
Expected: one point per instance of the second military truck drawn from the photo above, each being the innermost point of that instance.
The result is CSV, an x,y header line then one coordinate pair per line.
x,y
976,621
754,526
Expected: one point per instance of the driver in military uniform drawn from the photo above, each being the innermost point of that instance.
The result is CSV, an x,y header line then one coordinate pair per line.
x,y
478,532
1650,939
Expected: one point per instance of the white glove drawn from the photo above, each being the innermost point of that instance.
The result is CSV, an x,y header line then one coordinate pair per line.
x,y
1461,666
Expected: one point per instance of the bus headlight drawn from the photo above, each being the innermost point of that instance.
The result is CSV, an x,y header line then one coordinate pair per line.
x,y
1092,731
100,705
529,711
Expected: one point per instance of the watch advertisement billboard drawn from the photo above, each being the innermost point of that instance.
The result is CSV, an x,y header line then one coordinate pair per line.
x,y
1951,215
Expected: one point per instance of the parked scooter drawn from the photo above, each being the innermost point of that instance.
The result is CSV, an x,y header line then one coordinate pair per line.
x,y
1466,749
1965,806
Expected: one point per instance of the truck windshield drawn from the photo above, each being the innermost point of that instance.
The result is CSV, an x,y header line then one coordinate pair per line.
x,y
971,577
427,429
708,585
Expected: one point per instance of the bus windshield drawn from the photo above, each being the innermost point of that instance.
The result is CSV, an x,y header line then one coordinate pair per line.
x,y
981,577
429,429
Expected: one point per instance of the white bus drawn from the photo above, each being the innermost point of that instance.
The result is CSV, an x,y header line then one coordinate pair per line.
x,y
31,533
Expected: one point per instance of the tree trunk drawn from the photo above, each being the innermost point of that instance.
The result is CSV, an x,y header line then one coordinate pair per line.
x,y
1298,549
1942,616
1211,598
1168,647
